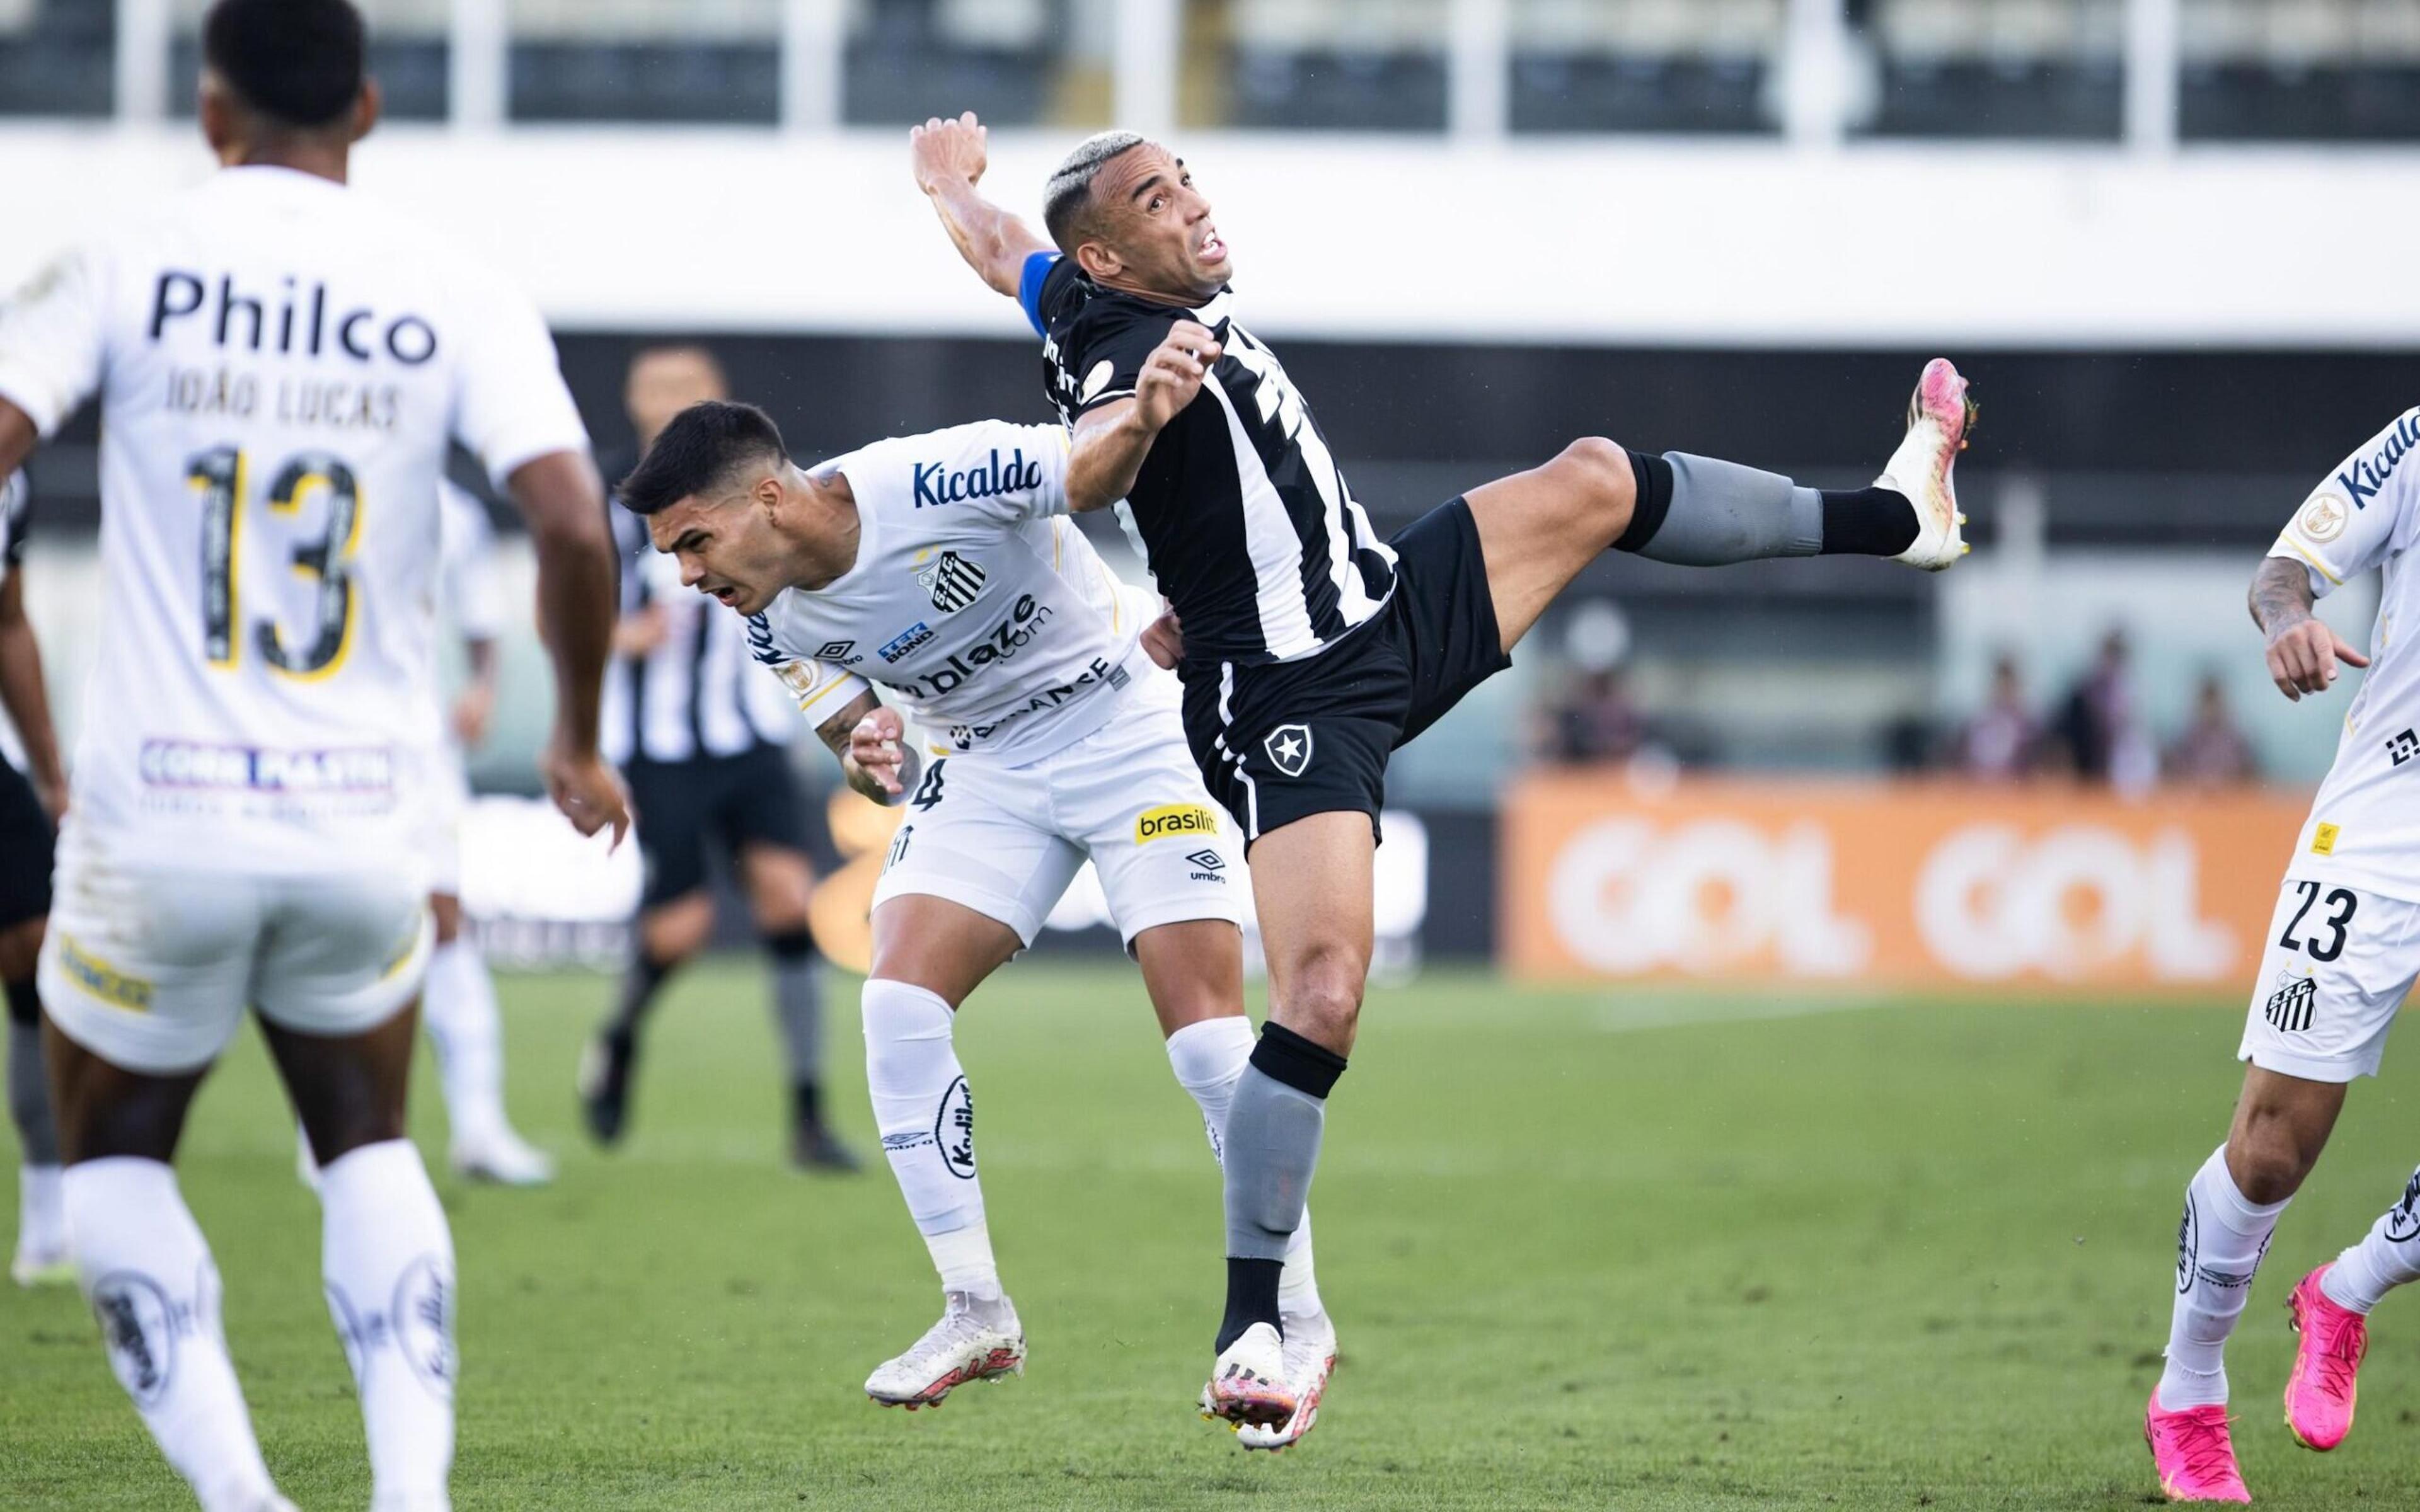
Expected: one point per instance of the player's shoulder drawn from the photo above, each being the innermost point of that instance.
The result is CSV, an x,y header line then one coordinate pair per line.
x,y
939,467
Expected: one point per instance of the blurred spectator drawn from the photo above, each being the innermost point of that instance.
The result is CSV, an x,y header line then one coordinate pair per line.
x,y
2213,750
2100,728
1596,721
2003,742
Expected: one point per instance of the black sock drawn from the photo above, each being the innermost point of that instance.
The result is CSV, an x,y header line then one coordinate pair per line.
x,y
24,1004
1305,1065
640,983
1867,522
1654,502
806,1103
1251,1298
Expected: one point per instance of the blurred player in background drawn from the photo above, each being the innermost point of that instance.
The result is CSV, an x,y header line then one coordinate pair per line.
x,y
704,740
1312,649
28,811
939,566
281,368
2341,955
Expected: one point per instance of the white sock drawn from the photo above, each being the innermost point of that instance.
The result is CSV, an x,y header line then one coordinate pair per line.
x,y
927,1117
458,1009
387,1259
2386,1257
1209,1059
42,1209
147,1271
2219,1245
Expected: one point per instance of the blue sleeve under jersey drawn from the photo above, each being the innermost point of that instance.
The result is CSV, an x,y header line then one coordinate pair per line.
x,y
1028,287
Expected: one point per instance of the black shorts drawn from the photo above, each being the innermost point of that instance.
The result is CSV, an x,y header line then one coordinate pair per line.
x,y
748,800
25,843
1287,740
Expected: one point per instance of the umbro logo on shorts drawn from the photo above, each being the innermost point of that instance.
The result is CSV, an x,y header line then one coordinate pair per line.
x,y
1208,861
953,581
1288,747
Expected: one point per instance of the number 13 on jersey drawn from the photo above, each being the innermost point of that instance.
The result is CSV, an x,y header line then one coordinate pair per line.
x,y
220,477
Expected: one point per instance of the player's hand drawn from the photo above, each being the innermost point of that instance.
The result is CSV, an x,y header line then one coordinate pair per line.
x,y
2303,658
472,712
1173,374
943,151
874,750
53,795
589,793
1163,640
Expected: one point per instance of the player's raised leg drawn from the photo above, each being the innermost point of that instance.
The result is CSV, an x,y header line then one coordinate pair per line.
x,y
147,1272
2331,1311
929,953
2230,1210
1194,973
1540,528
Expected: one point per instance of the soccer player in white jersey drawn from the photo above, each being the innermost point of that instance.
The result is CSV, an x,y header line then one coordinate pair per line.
x,y
31,802
2340,954
939,566
281,366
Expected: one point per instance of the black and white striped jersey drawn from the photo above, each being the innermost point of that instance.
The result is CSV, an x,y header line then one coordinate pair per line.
x,y
16,501
1240,510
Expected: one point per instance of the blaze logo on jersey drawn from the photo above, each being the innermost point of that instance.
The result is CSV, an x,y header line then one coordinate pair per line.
x,y
1173,819
1289,748
952,580
2291,1007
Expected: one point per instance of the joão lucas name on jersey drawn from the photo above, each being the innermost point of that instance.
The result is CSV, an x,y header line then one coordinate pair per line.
x,y
935,484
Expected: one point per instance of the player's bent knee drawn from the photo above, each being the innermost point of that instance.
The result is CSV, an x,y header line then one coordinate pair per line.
x,y
1596,476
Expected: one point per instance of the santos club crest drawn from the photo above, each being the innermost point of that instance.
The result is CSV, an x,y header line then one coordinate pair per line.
x,y
952,580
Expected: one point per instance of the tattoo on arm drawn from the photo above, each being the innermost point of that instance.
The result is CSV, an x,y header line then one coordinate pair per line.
x,y
835,731
2281,594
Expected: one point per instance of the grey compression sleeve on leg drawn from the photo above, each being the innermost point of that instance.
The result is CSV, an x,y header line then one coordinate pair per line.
x,y
798,1003
1721,512
30,1098
1273,1136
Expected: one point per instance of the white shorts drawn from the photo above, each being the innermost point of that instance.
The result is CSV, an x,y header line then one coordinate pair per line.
x,y
1006,841
2334,969
151,969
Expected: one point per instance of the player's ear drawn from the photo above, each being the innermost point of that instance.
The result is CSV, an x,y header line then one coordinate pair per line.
x,y
367,107
221,118
1097,261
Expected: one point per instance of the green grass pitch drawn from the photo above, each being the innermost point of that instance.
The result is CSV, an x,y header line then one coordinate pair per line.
x,y
1584,1249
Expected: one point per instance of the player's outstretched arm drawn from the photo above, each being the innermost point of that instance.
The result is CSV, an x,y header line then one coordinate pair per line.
x,y
564,502
2303,652
1110,442
949,158
869,738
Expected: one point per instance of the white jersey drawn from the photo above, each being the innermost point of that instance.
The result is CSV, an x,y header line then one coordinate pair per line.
x,y
2365,825
282,365
974,600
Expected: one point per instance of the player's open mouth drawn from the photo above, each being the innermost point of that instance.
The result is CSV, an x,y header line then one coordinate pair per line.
x,y
728,595
1212,249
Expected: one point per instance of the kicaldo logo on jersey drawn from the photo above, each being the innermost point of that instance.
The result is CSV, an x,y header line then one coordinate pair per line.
x,y
1897,884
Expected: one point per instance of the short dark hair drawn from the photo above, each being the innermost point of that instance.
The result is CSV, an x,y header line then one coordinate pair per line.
x,y
298,62
1067,199
702,446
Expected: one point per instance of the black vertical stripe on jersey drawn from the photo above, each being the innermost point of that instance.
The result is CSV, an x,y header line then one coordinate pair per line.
x,y
1201,554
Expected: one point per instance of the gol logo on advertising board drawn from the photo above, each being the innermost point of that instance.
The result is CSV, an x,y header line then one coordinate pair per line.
x,y
1908,885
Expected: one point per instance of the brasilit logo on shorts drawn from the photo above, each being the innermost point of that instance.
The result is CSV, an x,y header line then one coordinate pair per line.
x,y
1173,819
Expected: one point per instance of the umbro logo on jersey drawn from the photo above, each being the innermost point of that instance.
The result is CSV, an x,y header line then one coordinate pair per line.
x,y
839,651
952,580
1289,748
2404,747
906,641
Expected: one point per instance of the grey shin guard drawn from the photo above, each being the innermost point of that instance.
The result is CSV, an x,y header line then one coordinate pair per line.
x,y
1273,1134
798,1005
1722,513
30,1098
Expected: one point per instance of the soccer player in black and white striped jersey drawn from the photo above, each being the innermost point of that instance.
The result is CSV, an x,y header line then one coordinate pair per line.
x,y
1312,648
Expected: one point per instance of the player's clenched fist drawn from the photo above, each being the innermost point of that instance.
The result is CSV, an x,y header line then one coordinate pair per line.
x,y
877,758
1174,373
589,793
943,151
2302,658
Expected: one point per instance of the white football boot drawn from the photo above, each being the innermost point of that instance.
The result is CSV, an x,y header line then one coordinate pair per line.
x,y
1309,1360
971,1342
1248,1384
502,1157
1939,416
